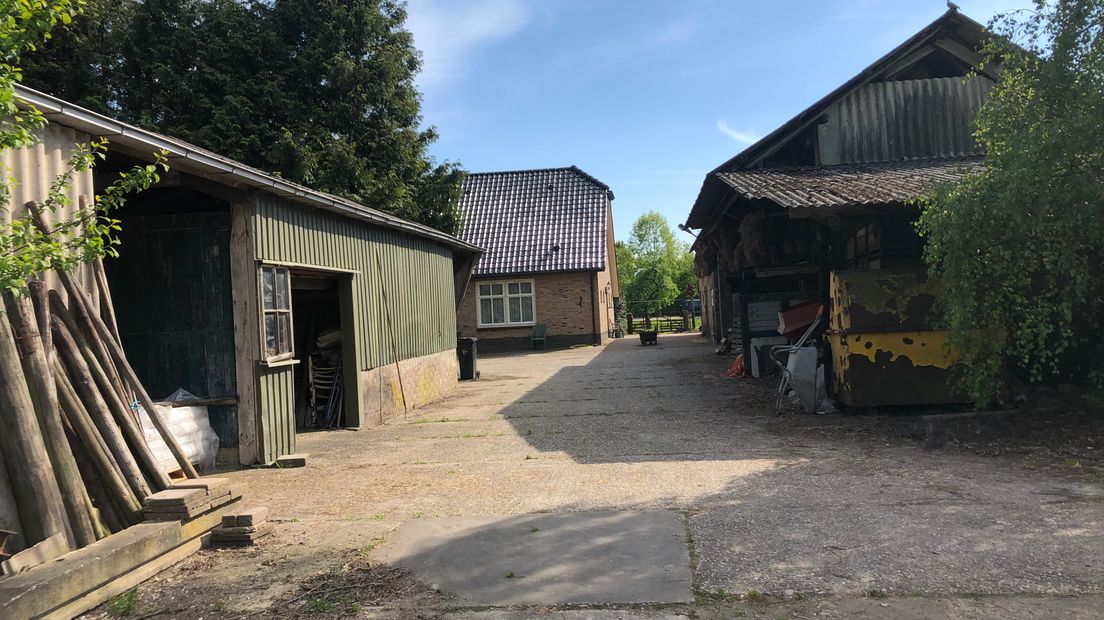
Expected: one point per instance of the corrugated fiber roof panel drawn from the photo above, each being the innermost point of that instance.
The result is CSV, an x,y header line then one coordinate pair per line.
x,y
849,184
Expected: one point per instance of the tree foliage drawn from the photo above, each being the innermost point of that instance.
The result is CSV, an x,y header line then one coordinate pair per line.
x,y
320,92
74,235
1017,246
653,267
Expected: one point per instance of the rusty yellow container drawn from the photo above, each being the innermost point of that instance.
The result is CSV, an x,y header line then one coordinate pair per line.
x,y
884,353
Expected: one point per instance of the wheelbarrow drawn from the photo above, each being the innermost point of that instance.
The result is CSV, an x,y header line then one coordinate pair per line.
x,y
649,337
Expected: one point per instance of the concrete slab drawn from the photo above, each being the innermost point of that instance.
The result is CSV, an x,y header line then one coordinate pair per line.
x,y
549,559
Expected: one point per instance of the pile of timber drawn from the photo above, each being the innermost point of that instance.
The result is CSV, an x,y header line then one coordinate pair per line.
x,y
242,529
75,464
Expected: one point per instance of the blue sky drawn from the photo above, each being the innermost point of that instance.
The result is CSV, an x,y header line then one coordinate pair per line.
x,y
646,95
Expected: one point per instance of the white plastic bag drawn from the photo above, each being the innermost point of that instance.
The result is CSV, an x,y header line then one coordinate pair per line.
x,y
192,429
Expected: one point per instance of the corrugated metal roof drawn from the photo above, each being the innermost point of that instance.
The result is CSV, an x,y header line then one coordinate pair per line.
x,y
534,221
908,119
187,157
848,184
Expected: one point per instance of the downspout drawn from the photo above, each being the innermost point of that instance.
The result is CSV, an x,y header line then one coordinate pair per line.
x,y
594,308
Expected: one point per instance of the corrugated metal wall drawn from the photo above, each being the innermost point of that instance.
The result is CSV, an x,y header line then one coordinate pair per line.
x,y
276,401
910,119
417,276
36,167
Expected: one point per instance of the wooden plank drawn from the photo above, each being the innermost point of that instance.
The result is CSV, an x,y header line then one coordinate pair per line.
x,y
36,592
45,551
124,582
243,289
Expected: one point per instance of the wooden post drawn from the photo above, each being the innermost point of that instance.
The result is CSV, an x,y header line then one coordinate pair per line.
x,y
40,381
119,410
95,447
107,306
41,508
118,356
85,387
247,327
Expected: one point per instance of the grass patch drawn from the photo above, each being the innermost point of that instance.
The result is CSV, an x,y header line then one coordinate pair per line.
x,y
372,544
124,605
319,605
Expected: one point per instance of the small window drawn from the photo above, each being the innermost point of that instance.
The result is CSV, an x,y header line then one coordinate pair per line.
x,y
503,304
276,306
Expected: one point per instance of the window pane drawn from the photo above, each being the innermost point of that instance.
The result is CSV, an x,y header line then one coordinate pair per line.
x,y
281,289
484,290
499,315
496,289
515,309
485,315
270,335
514,288
527,309
526,287
268,287
284,321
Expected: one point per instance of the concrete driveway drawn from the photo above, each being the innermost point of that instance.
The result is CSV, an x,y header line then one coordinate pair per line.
x,y
661,431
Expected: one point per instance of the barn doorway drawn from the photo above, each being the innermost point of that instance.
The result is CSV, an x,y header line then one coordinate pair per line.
x,y
325,348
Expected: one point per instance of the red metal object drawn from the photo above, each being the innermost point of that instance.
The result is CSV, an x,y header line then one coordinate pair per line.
x,y
796,320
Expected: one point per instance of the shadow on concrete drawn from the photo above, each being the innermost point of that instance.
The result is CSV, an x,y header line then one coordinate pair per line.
x,y
634,403
548,559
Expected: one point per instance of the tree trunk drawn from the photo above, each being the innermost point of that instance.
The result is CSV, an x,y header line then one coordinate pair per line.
x,y
118,408
104,464
97,408
40,506
118,356
40,381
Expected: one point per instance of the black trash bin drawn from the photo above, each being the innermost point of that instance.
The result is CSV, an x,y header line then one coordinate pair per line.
x,y
465,350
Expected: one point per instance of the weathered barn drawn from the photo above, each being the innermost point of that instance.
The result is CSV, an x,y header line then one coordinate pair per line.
x,y
228,278
830,190
549,258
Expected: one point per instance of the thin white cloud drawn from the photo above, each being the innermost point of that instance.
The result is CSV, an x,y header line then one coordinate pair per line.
x,y
448,32
742,137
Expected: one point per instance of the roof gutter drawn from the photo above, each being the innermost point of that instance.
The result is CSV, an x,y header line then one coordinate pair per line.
x,y
191,158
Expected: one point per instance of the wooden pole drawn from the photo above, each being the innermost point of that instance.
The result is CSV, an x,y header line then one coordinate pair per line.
x,y
41,508
98,453
40,382
85,387
135,439
119,358
107,306
39,293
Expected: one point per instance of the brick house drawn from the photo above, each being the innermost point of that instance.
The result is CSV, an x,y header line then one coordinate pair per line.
x,y
548,236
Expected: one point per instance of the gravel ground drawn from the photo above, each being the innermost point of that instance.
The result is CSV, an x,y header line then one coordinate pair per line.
x,y
625,427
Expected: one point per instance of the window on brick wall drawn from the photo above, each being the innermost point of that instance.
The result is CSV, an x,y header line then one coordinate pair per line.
x,y
506,304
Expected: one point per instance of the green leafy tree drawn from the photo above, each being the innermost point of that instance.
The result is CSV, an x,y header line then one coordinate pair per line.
x,y
654,267
320,92
1017,247
74,235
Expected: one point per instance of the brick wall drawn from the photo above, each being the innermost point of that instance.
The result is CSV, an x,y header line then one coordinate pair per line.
x,y
562,301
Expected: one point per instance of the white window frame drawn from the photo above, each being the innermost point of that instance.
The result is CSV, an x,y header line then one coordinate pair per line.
x,y
282,273
506,296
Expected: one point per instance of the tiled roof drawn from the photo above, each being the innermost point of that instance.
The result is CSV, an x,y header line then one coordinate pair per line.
x,y
533,221
849,184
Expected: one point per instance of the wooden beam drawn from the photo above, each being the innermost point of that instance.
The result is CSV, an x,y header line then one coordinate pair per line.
x,y
247,345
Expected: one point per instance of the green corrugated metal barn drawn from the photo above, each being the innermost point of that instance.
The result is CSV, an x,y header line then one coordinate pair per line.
x,y
235,286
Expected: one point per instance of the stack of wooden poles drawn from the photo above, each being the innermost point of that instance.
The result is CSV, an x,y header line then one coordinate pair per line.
x,y
77,462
